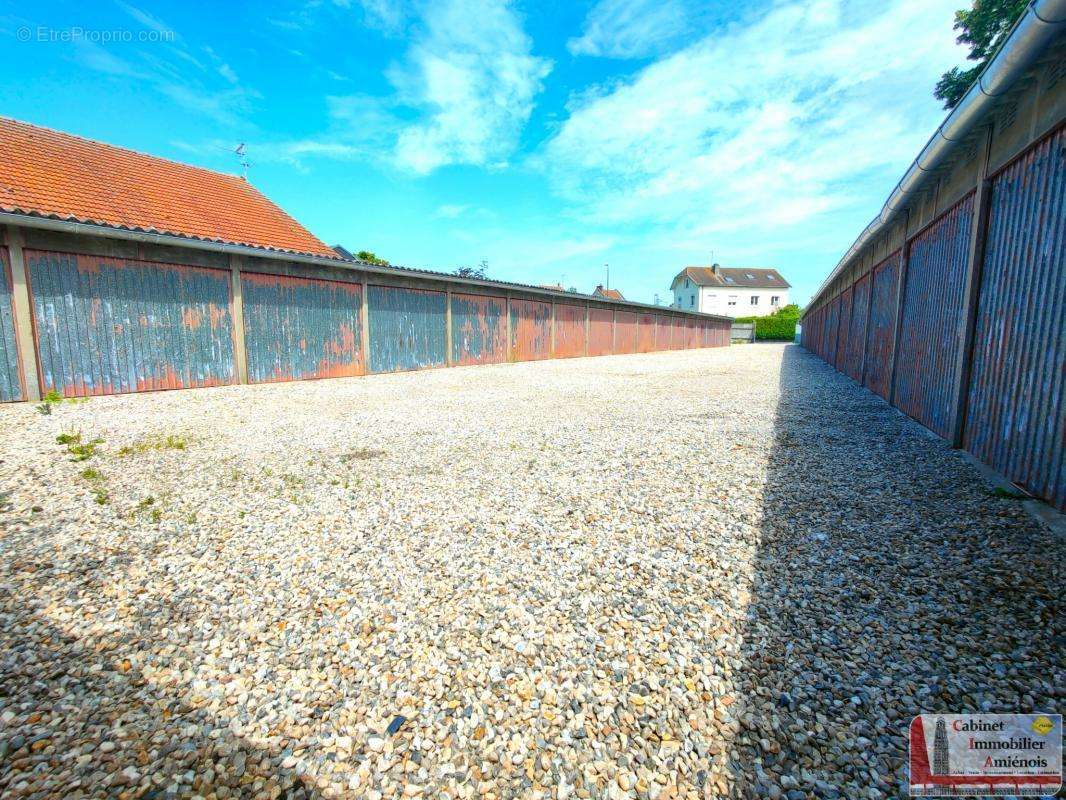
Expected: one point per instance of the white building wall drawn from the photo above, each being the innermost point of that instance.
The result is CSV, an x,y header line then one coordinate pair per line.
x,y
731,301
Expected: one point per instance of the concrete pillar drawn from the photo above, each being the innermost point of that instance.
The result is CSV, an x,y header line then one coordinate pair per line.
x,y
240,351
971,292
23,313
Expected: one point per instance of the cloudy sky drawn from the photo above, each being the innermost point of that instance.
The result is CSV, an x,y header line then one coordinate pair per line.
x,y
546,138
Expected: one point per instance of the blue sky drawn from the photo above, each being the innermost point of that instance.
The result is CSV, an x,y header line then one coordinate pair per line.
x,y
547,138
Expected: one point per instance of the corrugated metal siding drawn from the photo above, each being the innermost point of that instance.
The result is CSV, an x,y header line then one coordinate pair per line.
x,y
625,333
843,330
1016,420
646,333
928,342
569,330
479,329
10,385
601,331
882,325
107,325
297,328
406,328
856,345
663,332
531,330
692,334
679,333
832,320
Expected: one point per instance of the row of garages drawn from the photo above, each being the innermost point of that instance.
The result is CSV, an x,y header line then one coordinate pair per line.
x,y
982,366
106,325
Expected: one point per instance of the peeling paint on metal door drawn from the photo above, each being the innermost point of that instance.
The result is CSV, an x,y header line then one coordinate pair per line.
x,y
298,328
569,330
107,325
856,344
601,331
932,306
1016,420
646,333
10,383
882,325
531,330
407,329
625,334
479,329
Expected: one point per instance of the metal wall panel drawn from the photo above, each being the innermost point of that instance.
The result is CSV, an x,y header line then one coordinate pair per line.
x,y
298,328
832,319
10,383
1016,420
625,332
479,329
646,333
107,325
932,306
531,330
855,351
407,328
663,332
843,330
882,325
679,335
569,330
601,331
692,335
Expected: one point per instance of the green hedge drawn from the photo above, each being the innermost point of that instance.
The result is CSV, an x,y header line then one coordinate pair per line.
x,y
777,329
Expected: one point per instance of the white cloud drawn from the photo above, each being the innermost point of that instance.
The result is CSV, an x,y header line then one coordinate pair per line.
x,y
471,75
452,210
759,127
631,28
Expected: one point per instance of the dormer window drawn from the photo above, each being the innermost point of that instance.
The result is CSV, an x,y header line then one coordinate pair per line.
x,y
749,276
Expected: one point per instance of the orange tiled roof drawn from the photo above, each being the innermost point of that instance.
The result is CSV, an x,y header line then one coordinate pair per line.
x,y
610,294
52,174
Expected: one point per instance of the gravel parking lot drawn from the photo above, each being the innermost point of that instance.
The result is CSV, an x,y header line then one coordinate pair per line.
x,y
680,575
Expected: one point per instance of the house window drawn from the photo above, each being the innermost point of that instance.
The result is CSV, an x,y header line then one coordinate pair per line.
x,y
687,284
755,299
775,300
732,300
692,301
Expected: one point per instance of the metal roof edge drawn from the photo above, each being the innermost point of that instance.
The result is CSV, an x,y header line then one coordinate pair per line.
x,y
88,229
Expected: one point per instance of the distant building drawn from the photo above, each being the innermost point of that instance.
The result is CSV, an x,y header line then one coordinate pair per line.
x,y
610,294
555,287
731,291
941,760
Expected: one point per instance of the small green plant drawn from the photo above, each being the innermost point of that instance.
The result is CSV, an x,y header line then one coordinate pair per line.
x,y
154,442
84,451
52,396
101,496
1007,494
68,438
92,474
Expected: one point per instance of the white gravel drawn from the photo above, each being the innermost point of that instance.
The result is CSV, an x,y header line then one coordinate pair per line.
x,y
693,574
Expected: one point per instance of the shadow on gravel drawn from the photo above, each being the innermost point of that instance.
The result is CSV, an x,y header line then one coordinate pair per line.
x,y
140,719
889,581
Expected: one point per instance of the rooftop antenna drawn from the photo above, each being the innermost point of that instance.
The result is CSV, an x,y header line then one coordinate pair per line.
x,y
608,268
242,159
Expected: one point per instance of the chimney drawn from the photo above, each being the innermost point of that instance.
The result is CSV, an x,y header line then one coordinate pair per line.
x,y
714,268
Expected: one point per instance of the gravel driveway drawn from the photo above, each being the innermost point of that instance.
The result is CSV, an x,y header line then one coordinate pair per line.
x,y
678,575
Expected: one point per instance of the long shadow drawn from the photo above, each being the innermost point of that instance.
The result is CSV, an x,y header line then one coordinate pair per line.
x,y
78,718
890,581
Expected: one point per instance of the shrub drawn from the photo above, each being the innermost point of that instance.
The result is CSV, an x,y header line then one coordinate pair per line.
x,y
777,329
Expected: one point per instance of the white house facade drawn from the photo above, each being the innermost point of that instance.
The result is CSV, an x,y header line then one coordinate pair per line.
x,y
731,291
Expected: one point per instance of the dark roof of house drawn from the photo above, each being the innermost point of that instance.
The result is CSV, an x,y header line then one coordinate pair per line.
x,y
612,294
738,277
45,173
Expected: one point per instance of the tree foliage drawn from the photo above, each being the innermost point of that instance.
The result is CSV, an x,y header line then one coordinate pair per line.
x,y
984,27
370,258
472,272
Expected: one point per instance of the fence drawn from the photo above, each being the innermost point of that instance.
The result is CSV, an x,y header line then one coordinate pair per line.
x,y
743,332
107,316
963,325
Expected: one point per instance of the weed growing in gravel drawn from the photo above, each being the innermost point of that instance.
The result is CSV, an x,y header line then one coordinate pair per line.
x,y
1007,494
81,451
154,442
101,496
362,454
155,513
54,398
92,474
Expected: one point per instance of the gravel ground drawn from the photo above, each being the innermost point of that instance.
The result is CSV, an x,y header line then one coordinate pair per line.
x,y
678,575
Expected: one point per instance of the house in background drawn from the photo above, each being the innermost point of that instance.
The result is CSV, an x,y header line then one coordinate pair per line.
x,y
732,291
610,294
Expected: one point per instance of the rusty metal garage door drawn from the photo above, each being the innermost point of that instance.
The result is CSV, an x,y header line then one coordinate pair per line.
x,y
110,325
10,385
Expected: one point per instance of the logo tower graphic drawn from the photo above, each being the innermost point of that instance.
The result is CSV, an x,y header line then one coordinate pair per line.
x,y
941,765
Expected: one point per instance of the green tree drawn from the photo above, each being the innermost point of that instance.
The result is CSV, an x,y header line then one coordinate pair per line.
x,y
370,258
984,27
472,272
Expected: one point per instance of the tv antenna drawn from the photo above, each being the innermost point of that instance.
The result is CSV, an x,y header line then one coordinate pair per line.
x,y
242,159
